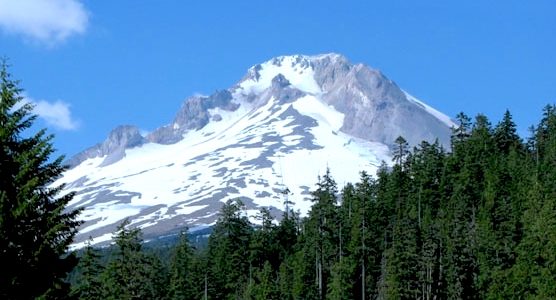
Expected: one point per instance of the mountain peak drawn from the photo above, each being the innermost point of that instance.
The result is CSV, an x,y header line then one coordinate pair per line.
x,y
297,69
285,122
307,59
376,108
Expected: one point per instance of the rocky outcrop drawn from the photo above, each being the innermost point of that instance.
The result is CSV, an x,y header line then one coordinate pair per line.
x,y
113,148
376,109
193,114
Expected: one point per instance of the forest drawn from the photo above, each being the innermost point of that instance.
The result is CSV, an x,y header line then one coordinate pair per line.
x,y
476,221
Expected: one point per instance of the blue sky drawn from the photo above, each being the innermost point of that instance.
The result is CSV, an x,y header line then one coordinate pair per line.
x,y
92,65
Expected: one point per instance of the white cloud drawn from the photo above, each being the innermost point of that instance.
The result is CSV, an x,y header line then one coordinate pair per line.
x,y
46,21
56,114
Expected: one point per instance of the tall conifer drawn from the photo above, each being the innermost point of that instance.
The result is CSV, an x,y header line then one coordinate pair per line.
x,y
35,227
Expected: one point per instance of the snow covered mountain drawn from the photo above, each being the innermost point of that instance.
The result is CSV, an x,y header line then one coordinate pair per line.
x,y
281,126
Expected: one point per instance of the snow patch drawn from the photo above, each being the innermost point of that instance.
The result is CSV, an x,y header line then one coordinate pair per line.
x,y
324,114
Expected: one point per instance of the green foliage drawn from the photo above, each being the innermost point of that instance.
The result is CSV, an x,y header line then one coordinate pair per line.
x,y
229,268
181,270
89,283
133,274
35,227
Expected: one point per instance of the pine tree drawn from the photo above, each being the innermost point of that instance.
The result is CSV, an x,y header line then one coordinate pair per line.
x,y
340,284
181,275
133,274
263,246
499,224
505,134
401,151
467,166
461,132
89,284
323,220
534,272
400,277
286,235
426,171
305,266
228,252
35,228
263,286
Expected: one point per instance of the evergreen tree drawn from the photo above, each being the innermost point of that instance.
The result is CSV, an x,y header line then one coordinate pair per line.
x,y
323,222
467,172
181,273
286,235
426,171
534,272
229,271
400,271
263,286
286,279
305,267
401,151
461,132
499,224
133,274
286,242
364,238
505,134
89,284
35,227
340,284
263,242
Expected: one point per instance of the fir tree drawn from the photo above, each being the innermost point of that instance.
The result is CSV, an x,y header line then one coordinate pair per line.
x,y
228,253
133,274
89,284
181,273
401,151
323,221
35,227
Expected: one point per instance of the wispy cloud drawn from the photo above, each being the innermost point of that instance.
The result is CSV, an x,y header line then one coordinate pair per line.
x,y
45,21
56,114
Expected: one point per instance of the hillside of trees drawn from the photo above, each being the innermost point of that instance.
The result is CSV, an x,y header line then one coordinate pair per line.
x,y
477,221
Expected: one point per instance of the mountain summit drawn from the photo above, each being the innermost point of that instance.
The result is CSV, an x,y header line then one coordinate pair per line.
x,y
281,126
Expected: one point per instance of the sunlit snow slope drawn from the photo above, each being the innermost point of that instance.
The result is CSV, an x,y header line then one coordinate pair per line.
x,y
281,126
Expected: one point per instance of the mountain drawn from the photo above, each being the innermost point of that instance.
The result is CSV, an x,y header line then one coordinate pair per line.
x,y
280,126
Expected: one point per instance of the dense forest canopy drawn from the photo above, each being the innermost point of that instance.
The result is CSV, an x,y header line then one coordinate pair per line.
x,y
477,221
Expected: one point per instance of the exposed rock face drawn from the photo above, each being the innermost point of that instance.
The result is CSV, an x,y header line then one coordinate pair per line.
x,y
376,108
192,115
120,138
281,125
279,82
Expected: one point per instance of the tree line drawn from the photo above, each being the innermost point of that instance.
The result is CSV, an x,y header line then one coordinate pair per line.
x,y
476,221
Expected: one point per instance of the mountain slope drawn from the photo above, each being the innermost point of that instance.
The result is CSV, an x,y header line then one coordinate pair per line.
x,y
283,124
